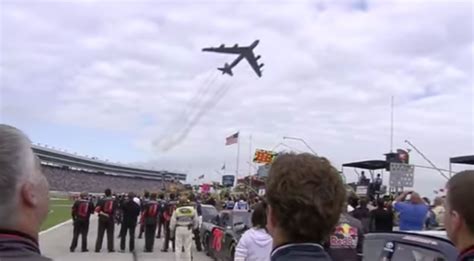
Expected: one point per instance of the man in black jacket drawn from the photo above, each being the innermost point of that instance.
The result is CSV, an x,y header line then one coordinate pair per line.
x,y
24,197
347,240
305,198
130,212
362,213
81,213
459,214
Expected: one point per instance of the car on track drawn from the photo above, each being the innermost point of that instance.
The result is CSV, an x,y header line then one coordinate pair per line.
x,y
222,234
409,246
208,213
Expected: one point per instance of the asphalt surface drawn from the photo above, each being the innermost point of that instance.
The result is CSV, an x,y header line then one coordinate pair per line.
x,y
55,244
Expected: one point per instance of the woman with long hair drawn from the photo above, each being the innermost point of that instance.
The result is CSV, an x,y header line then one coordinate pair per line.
x,y
255,244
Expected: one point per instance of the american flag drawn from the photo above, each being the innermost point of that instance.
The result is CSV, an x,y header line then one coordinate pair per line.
x,y
232,139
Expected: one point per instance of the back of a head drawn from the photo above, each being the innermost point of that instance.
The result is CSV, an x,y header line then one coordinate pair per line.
x,y
380,203
19,164
306,196
161,196
108,192
172,196
461,195
131,195
363,202
415,198
153,196
146,194
259,216
84,195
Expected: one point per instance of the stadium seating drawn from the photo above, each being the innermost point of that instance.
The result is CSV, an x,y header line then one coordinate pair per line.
x,y
68,180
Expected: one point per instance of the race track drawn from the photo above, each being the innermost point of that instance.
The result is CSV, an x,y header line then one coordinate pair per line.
x,y
55,244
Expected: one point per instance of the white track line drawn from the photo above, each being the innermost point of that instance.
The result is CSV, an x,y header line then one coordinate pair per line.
x,y
55,227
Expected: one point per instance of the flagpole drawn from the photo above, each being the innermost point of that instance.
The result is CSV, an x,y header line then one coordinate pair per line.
x,y
250,160
238,155
250,154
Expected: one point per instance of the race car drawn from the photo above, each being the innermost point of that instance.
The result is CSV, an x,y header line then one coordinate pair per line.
x,y
408,246
209,213
223,233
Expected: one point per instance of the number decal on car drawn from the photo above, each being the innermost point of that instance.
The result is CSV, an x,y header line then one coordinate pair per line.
x,y
216,243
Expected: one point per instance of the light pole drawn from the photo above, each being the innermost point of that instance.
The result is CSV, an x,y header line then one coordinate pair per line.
x,y
304,142
281,144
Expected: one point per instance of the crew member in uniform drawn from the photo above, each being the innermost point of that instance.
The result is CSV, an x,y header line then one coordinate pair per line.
x,y
167,214
183,221
81,212
150,219
146,198
106,208
161,210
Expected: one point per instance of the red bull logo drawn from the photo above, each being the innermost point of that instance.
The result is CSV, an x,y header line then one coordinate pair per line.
x,y
344,236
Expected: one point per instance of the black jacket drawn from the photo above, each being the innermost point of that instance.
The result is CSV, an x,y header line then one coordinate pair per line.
x,y
346,242
131,211
300,252
17,246
467,255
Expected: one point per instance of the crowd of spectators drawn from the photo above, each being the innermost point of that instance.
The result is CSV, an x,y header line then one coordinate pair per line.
x,y
61,179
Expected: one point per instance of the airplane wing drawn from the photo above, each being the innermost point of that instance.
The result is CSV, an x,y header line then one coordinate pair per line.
x,y
222,49
253,62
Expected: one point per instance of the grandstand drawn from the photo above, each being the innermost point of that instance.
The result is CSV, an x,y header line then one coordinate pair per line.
x,y
68,172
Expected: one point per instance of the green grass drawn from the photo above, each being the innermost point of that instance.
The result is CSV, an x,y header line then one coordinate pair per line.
x,y
59,211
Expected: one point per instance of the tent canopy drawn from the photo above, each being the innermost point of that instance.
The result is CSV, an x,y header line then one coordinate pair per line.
x,y
463,160
367,164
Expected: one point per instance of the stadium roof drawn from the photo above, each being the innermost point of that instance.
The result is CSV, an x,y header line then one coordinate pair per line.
x,y
469,160
67,159
367,164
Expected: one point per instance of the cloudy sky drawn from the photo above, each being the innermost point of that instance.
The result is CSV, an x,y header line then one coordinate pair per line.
x,y
127,81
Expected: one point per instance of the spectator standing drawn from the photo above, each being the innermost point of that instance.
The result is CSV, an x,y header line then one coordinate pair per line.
x,y
24,197
81,213
459,214
346,241
241,204
305,200
255,244
412,213
229,204
381,220
438,211
362,213
130,211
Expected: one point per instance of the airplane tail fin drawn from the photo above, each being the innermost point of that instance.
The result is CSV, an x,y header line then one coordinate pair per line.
x,y
226,70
